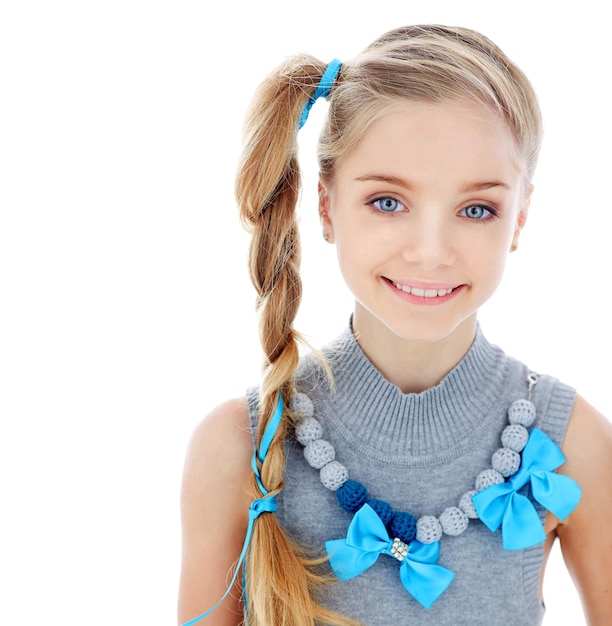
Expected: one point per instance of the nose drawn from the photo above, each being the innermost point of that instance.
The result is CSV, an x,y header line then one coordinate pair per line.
x,y
428,241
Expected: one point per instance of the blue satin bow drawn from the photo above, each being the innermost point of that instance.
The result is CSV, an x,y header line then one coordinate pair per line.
x,y
367,538
502,505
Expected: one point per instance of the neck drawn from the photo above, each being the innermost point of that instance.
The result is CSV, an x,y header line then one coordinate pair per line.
x,y
413,365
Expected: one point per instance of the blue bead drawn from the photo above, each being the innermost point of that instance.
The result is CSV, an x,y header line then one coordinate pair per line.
x,y
383,510
403,526
352,496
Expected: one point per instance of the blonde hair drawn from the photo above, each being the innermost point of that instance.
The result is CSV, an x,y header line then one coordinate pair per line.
x,y
422,63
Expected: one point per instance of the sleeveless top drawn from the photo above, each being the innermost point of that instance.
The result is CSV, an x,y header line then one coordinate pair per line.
x,y
419,452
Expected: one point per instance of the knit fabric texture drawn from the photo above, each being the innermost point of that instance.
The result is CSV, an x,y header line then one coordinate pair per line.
x,y
420,453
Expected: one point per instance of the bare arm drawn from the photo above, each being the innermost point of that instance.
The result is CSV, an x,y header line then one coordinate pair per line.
x,y
214,512
586,535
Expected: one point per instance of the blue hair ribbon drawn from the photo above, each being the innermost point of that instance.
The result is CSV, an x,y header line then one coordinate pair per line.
x,y
322,90
266,504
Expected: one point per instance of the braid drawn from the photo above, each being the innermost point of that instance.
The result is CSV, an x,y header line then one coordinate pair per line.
x,y
281,580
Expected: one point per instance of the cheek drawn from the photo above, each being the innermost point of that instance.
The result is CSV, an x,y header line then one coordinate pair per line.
x,y
485,252
491,240
348,236
491,261
361,233
348,258
357,256
360,247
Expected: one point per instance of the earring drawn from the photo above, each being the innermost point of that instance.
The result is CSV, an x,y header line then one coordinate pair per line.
x,y
326,236
514,247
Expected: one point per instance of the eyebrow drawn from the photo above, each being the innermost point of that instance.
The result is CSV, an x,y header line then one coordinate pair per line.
x,y
402,182
490,184
383,178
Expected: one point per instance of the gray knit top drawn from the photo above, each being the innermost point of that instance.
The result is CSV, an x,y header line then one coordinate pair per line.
x,y
419,452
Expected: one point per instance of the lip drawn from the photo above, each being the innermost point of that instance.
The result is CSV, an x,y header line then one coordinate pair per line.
x,y
423,287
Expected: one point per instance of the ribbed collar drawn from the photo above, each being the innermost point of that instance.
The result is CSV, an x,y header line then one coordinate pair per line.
x,y
376,418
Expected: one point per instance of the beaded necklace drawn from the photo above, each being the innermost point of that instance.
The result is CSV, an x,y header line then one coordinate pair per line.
x,y
376,528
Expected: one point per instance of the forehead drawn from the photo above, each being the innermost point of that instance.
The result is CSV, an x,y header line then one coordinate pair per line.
x,y
456,139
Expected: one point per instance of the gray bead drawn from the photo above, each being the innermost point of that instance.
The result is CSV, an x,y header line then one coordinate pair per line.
x,y
488,477
429,529
515,437
333,475
506,461
301,405
309,429
522,412
453,521
319,453
467,506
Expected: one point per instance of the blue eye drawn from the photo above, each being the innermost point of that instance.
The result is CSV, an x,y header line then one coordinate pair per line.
x,y
477,212
388,205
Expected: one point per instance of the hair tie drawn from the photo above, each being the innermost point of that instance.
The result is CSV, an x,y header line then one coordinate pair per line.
x,y
265,504
322,90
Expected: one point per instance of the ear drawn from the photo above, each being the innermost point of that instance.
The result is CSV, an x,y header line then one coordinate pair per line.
x,y
521,218
324,206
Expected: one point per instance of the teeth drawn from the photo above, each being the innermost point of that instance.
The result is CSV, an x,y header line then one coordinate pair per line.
x,y
423,293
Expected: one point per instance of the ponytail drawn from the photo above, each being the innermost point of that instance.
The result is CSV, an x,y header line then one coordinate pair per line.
x,y
280,578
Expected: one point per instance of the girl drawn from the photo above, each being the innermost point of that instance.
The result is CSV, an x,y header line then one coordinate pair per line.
x,y
407,473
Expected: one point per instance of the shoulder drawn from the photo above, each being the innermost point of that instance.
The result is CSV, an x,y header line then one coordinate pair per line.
x,y
588,449
215,498
225,428
218,455
585,534
588,441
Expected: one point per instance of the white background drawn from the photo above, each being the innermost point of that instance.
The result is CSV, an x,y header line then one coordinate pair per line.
x,y
126,311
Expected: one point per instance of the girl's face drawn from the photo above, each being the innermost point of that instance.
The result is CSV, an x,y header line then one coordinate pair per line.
x,y
424,212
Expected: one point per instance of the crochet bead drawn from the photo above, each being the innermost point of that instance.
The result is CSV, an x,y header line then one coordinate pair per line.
x,y
308,430
453,521
506,461
515,437
467,506
333,475
352,496
383,510
428,529
488,477
403,526
522,412
301,405
319,453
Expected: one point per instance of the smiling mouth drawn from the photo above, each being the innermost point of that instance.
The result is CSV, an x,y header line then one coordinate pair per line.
x,y
423,293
